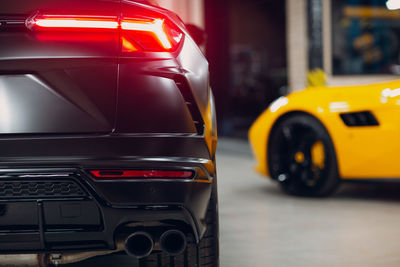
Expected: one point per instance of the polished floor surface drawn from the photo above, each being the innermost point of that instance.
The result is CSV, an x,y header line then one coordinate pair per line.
x,y
260,226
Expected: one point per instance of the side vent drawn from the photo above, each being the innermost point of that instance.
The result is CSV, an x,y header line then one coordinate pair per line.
x,y
359,119
191,104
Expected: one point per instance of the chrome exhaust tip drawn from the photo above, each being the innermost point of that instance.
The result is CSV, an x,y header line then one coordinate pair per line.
x,y
173,242
139,245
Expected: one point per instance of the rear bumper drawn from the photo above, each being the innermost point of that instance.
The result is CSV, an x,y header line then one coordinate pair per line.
x,y
50,203
108,148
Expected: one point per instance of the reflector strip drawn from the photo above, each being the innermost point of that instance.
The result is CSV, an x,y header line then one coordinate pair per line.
x,y
156,27
133,174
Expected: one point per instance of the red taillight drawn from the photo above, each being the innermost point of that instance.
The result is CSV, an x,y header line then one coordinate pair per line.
x,y
137,34
140,174
127,46
154,34
72,22
155,28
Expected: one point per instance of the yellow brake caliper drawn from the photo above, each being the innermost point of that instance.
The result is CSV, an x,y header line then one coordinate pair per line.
x,y
318,155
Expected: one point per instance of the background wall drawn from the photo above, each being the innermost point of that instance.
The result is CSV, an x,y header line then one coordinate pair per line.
x,y
296,31
190,11
246,50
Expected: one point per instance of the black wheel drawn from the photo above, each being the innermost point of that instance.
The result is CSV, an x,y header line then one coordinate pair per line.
x,y
302,157
208,248
204,254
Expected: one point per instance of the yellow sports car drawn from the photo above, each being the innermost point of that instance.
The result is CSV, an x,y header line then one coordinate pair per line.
x,y
310,140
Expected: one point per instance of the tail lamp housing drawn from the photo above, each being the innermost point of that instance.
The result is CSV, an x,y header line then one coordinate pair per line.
x,y
146,34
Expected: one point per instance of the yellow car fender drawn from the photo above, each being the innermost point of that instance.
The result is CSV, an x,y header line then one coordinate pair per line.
x,y
362,152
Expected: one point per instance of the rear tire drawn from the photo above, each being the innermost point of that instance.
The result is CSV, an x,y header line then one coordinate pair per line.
x,y
293,162
204,254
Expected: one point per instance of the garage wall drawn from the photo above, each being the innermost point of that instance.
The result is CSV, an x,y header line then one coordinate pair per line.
x,y
296,23
190,11
297,48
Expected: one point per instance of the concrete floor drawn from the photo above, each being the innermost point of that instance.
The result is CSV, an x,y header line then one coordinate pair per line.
x,y
260,226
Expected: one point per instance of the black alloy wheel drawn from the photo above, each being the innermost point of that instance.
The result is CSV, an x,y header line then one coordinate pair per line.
x,y
302,157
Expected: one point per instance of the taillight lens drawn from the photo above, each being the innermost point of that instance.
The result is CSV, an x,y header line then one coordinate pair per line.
x,y
136,34
151,35
69,22
140,174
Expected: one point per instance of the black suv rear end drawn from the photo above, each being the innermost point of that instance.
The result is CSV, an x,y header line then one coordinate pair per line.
x,y
107,135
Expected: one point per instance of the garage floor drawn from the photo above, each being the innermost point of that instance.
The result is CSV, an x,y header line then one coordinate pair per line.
x,y
260,226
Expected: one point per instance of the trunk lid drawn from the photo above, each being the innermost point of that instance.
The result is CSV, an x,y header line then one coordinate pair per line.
x,y
56,81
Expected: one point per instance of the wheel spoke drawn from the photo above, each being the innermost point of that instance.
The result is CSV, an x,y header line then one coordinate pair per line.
x,y
289,138
307,140
287,132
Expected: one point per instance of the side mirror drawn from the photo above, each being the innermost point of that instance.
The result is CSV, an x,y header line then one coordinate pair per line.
x,y
198,34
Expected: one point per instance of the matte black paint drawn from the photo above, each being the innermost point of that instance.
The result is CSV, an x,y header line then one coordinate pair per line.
x,y
71,102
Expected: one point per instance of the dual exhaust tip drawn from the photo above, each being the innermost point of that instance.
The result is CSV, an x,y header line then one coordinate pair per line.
x,y
140,244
